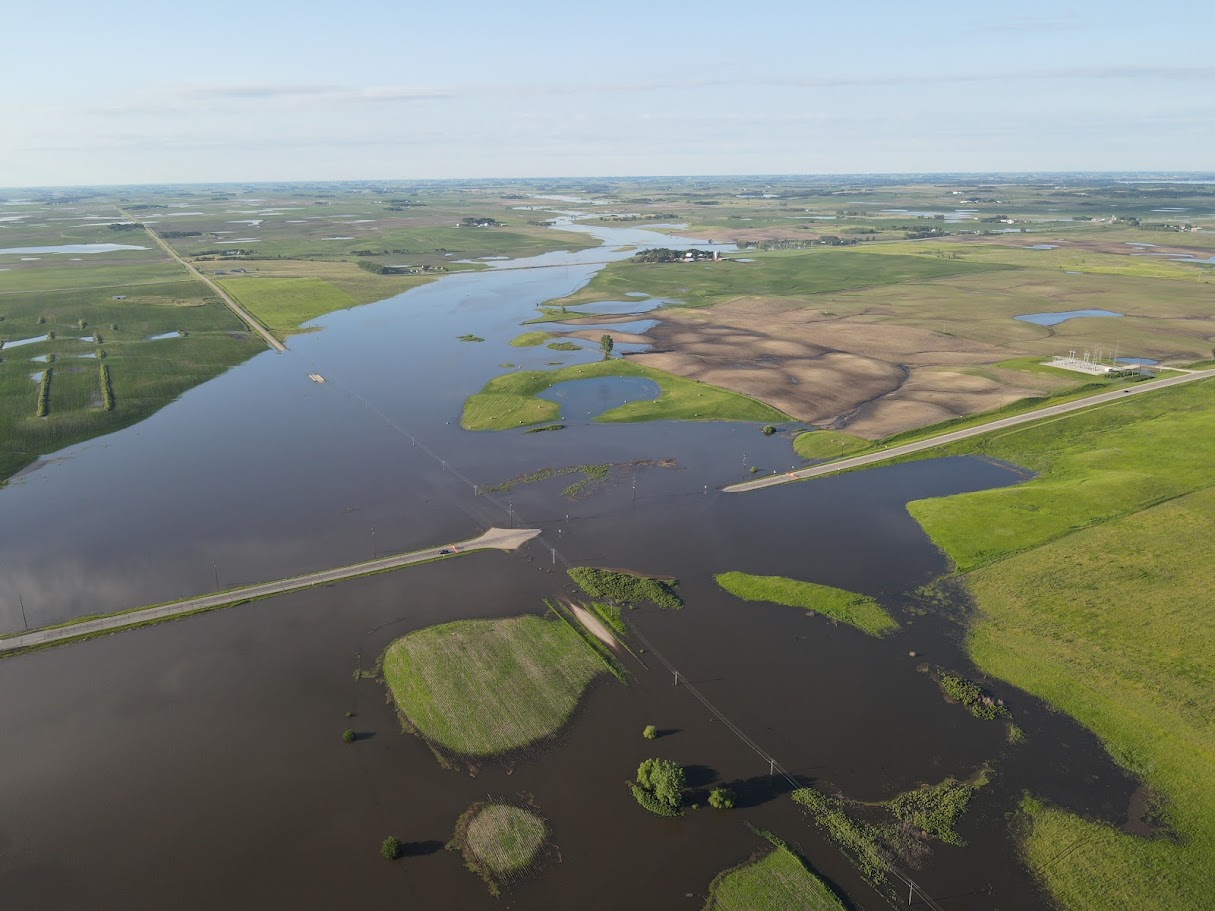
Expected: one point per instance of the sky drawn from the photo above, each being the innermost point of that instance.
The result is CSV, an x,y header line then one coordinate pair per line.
x,y
140,92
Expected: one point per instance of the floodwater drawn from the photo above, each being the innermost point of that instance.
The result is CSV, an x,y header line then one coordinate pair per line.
x,y
1054,319
203,758
74,248
589,398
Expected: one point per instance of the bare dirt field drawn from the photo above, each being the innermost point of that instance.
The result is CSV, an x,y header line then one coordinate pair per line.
x,y
875,378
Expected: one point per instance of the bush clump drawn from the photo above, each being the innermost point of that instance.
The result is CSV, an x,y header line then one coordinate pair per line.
x,y
650,732
390,848
722,799
347,736
971,695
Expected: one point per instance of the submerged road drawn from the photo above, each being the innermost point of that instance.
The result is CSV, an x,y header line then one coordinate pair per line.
x,y
244,315
894,452
494,538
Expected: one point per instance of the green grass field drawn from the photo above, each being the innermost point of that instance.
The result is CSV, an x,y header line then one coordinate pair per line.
x,y
509,401
847,607
785,274
777,881
1093,584
1096,465
486,687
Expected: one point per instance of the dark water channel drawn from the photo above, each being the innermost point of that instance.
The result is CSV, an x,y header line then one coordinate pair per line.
x,y
198,764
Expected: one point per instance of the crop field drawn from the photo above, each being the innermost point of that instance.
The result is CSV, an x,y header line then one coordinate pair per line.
x,y
777,881
510,400
1093,584
847,607
486,687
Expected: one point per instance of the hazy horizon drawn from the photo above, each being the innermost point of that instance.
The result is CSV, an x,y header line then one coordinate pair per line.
x,y
238,93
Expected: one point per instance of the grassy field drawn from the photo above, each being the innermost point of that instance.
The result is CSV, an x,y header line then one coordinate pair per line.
x,y
777,881
786,274
1092,585
847,607
486,687
1096,465
828,444
509,401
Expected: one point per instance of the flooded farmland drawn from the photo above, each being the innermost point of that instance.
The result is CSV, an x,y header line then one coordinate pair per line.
x,y
202,758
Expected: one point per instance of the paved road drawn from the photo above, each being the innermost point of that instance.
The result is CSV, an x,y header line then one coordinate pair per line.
x,y
1116,395
495,538
243,314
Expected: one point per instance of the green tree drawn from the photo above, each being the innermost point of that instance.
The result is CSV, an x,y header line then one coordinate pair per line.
x,y
664,779
606,344
390,848
650,732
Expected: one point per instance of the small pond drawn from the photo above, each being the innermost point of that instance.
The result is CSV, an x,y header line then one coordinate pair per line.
x,y
1136,360
1053,319
614,307
163,335
1043,247
592,397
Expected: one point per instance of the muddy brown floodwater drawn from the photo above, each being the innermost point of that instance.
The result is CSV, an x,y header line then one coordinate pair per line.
x,y
200,763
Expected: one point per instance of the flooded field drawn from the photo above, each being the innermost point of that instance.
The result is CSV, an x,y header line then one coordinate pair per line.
x,y
207,753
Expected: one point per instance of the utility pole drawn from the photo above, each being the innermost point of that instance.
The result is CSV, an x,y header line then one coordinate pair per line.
x,y
374,555
215,569
24,621
511,508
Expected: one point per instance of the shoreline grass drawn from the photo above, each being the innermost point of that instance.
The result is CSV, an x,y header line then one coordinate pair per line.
x,y
509,401
530,339
835,603
483,688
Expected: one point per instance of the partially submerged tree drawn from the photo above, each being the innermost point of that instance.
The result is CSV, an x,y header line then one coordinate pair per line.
x,y
606,344
663,781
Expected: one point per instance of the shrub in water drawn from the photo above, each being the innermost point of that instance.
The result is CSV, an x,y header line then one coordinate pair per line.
x,y
391,847
722,799
650,732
